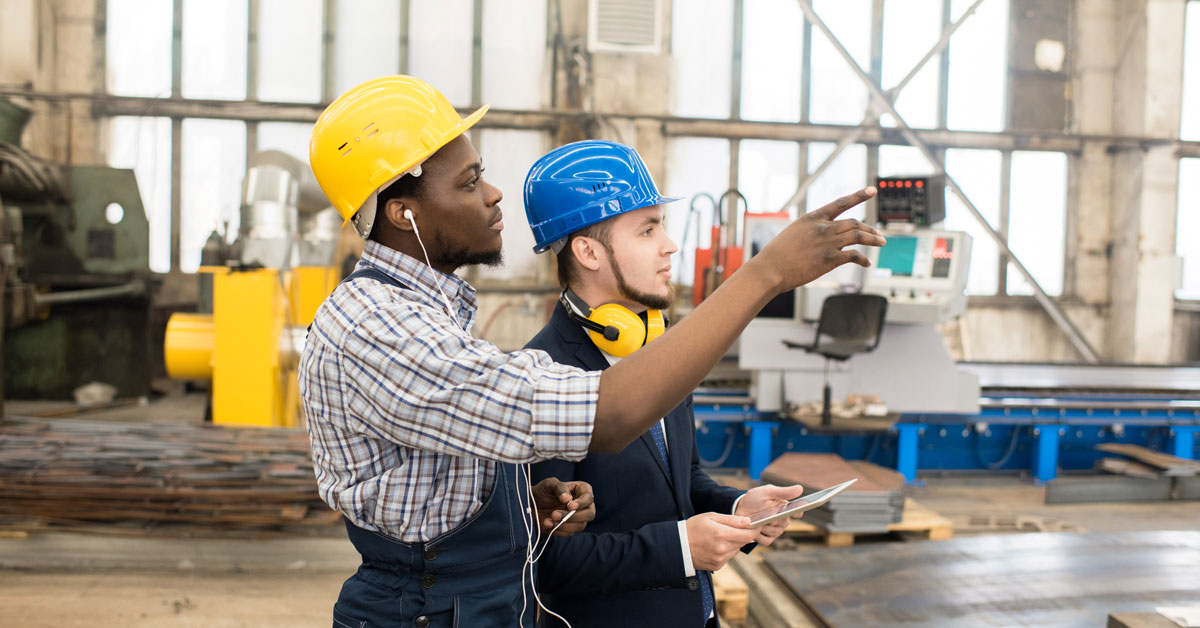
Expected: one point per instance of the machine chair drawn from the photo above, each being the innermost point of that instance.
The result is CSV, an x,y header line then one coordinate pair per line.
x,y
849,324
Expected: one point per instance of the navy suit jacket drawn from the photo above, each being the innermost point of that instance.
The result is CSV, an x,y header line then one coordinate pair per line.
x,y
626,568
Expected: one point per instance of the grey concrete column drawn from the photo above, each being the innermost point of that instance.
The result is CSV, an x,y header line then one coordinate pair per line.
x,y
74,71
1095,60
1147,96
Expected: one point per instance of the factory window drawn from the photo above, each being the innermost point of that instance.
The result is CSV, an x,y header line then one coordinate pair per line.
x,y
292,62
1187,224
514,55
898,161
1037,219
138,48
214,163
848,172
144,145
366,41
978,67
772,49
439,38
289,137
289,51
507,155
214,49
910,29
702,49
694,165
838,96
1190,122
768,173
978,172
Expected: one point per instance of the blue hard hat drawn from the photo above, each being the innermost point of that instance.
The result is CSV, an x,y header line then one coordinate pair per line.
x,y
583,183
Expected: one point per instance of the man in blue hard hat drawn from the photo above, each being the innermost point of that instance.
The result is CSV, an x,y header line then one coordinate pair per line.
x,y
647,557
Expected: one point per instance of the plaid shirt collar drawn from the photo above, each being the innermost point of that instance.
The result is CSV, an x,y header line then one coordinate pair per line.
x,y
420,277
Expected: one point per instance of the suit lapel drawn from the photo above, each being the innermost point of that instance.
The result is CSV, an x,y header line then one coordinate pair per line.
x,y
681,455
648,442
587,355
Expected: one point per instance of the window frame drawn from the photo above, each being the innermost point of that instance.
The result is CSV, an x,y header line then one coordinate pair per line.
x,y
253,112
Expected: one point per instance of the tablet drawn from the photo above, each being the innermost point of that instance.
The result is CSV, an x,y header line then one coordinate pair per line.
x,y
798,505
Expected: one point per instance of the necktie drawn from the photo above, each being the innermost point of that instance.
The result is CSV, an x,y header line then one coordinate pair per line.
x,y
660,441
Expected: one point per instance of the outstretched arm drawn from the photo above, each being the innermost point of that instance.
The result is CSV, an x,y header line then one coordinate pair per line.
x,y
682,357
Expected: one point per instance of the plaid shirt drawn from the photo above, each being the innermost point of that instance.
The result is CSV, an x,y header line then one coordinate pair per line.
x,y
409,415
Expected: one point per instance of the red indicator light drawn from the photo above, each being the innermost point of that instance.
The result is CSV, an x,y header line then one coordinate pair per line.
x,y
920,184
908,184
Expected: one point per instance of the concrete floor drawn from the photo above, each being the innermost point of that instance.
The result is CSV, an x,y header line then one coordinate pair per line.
x,y
184,600
109,581
63,580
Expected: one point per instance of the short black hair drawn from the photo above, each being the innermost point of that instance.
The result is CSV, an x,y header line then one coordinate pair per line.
x,y
407,185
568,270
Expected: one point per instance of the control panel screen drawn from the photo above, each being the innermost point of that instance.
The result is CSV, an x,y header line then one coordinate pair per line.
x,y
898,256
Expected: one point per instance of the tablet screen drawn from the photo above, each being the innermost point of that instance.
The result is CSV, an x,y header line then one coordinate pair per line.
x,y
798,505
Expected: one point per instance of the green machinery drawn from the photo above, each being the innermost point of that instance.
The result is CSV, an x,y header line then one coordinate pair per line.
x,y
74,257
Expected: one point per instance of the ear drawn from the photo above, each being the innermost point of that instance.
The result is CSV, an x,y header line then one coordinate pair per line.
x,y
394,211
587,253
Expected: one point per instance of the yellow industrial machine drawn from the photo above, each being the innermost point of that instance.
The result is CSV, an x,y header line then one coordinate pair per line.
x,y
257,305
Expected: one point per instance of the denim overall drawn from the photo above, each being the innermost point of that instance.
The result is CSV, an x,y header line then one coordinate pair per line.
x,y
468,577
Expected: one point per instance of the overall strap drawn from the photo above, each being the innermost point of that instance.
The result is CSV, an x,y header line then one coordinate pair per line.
x,y
370,272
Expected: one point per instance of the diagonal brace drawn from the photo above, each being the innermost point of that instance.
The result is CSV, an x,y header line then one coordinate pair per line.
x,y
881,101
872,114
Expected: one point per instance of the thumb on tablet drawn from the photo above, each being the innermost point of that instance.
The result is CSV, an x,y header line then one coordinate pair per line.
x,y
733,521
785,493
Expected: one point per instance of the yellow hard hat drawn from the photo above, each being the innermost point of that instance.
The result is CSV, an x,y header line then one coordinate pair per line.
x,y
374,134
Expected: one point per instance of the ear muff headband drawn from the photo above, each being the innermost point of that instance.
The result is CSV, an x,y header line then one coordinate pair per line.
x,y
579,311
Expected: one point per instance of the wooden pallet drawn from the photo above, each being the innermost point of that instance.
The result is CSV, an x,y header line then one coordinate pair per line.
x,y
731,594
917,519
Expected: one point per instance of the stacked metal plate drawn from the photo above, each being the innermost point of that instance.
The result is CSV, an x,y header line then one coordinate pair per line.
x,y
873,503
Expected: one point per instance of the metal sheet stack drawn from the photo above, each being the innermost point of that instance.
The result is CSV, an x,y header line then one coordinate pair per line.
x,y
874,502
1139,475
1142,462
67,473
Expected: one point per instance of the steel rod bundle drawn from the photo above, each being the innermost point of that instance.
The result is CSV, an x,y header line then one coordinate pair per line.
x,y
71,472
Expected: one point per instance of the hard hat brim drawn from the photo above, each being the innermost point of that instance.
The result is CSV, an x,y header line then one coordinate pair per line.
x,y
598,218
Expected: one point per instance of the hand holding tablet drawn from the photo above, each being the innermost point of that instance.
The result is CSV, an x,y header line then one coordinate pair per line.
x,y
798,505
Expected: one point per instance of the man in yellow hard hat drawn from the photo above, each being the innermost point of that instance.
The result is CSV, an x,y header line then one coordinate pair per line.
x,y
421,433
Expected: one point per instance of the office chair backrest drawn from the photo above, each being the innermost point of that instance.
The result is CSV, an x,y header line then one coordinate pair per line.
x,y
853,318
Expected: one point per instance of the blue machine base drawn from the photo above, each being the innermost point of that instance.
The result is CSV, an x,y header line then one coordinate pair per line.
x,y
1041,443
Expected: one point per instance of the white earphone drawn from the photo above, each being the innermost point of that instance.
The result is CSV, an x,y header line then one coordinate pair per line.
x,y
533,532
449,308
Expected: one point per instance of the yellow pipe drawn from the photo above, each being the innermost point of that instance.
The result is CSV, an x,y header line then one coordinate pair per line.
x,y
188,348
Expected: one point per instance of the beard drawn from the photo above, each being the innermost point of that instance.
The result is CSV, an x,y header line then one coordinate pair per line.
x,y
459,256
652,301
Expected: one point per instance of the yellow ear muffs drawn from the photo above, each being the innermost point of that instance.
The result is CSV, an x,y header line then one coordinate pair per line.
x,y
613,328
632,332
